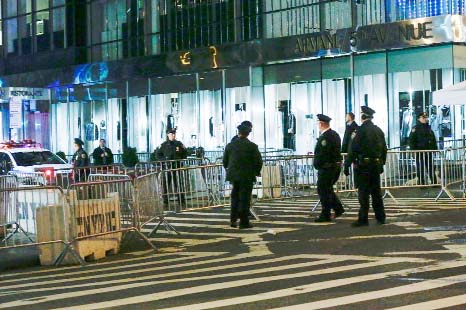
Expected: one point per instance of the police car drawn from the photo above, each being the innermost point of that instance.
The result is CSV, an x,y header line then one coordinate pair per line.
x,y
28,157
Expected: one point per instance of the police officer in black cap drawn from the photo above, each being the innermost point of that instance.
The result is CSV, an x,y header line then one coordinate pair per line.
x,y
242,162
173,182
327,161
80,160
367,153
423,138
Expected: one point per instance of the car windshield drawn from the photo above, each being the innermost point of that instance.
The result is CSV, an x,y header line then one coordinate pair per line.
x,y
36,158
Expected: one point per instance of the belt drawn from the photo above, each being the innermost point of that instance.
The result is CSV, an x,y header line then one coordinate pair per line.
x,y
331,165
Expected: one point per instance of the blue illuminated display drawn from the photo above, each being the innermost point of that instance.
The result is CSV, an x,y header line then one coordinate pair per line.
x,y
408,9
91,73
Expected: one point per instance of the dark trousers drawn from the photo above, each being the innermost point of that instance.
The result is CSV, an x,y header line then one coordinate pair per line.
x,y
326,178
240,201
425,166
369,185
173,184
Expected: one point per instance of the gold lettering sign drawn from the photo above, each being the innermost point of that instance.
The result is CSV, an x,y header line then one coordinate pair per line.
x,y
185,58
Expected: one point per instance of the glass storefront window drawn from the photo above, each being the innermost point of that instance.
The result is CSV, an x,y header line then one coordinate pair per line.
x,y
11,8
12,36
59,27
42,31
41,5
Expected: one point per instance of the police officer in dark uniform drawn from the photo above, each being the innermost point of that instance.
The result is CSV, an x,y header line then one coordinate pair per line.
x,y
351,127
368,152
102,154
80,160
242,162
423,138
173,149
327,161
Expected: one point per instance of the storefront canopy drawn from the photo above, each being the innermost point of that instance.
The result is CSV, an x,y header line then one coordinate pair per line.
x,y
453,95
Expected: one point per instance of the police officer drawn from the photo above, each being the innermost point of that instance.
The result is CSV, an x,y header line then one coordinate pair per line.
x,y
102,155
242,162
173,149
80,160
327,161
351,126
367,153
423,138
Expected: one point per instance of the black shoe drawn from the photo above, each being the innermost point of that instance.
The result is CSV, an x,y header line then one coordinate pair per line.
x,y
322,220
233,224
241,226
359,224
382,222
338,213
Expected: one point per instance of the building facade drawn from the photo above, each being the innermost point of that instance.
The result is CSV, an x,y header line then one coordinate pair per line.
x,y
128,70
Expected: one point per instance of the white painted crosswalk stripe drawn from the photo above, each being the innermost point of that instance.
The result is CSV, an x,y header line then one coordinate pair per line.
x,y
172,275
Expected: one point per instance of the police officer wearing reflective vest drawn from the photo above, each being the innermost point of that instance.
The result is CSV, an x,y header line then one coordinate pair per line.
x,y
423,138
80,160
367,153
327,161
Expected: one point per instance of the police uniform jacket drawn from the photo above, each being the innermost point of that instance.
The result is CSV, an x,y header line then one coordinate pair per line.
x,y
327,152
368,147
80,159
422,138
172,150
347,137
99,160
242,160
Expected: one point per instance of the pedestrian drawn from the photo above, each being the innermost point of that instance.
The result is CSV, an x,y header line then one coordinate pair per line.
x,y
367,153
351,126
423,138
102,155
173,182
243,163
245,123
80,161
327,161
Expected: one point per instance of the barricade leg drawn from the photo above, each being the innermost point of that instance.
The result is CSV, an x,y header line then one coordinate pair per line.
x,y
163,222
389,194
141,235
69,249
17,229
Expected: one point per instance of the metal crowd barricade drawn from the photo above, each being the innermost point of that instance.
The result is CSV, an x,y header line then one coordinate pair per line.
x,y
36,216
102,211
143,168
150,206
411,169
452,171
27,179
65,177
191,187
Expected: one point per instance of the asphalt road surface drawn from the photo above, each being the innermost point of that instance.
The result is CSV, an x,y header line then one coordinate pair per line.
x,y
416,261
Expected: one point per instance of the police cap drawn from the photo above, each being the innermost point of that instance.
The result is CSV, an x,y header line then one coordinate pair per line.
x,y
422,114
246,123
78,141
323,118
242,128
367,111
